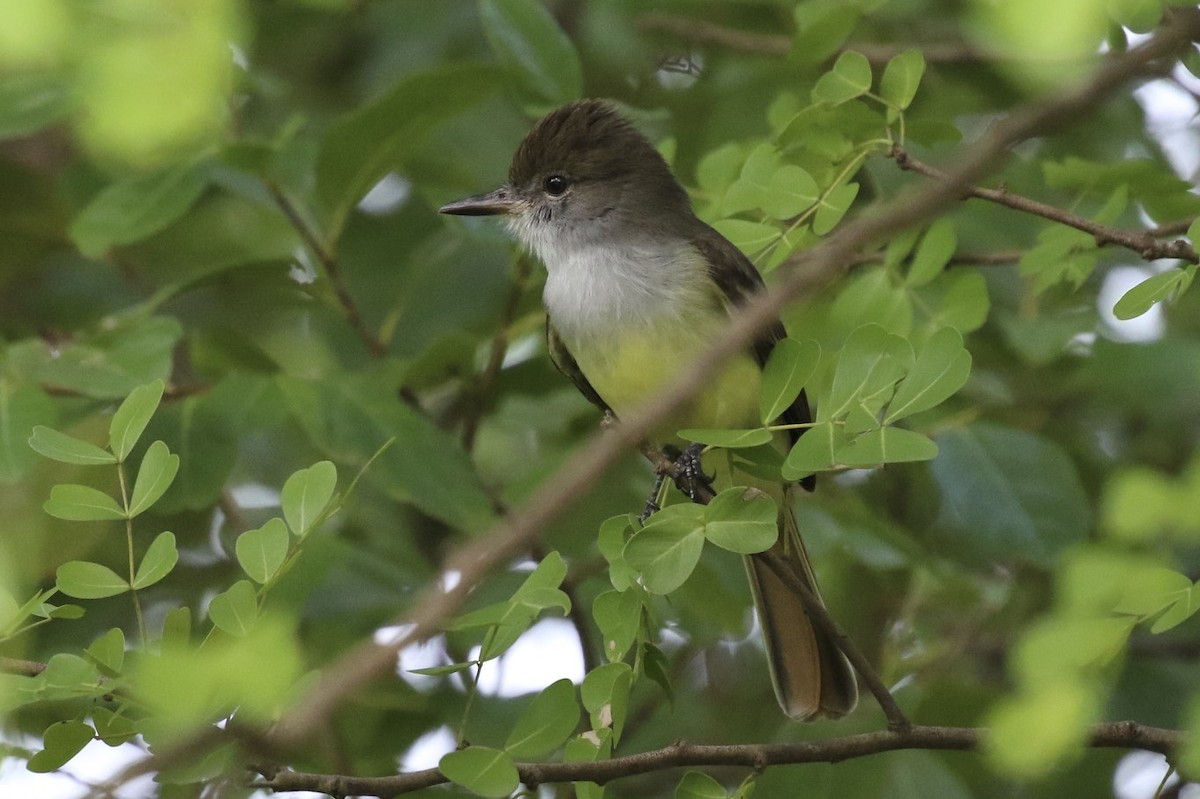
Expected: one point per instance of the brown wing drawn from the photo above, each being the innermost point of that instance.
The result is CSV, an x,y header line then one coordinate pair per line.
x,y
565,361
738,280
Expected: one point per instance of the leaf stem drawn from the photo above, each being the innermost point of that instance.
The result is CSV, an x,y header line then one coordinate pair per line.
x,y
137,605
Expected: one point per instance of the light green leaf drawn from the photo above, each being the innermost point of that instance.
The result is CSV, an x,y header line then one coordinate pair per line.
x,y
849,78
886,445
108,651
1143,296
131,418
81,504
306,494
611,542
753,185
83,579
25,408
605,696
697,785
68,449
941,368
618,614
62,741
742,520
871,361
789,191
158,561
668,548
933,253
441,671
155,475
132,209
235,610
833,207
113,728
901,77
1034,731
261,552
533,50
545,724
487,772
749,237
814,452
789,368
729,439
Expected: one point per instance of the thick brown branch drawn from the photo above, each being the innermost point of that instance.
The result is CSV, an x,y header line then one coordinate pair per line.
x,y
333,270
1121,734
25,668
1142,242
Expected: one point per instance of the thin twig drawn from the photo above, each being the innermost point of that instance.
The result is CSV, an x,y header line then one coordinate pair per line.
x,y
1119,734
1142,242
333,270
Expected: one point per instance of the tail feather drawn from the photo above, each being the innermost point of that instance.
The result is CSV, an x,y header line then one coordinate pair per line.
x,y
812,677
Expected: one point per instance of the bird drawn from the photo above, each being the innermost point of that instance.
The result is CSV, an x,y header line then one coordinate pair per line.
x,y
636,286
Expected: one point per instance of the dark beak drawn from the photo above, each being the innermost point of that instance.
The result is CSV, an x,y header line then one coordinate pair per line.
x,y
500,201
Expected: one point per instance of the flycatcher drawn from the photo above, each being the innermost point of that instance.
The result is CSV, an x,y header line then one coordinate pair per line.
x,y
636,287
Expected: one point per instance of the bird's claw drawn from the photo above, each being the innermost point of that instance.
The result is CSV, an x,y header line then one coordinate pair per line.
x,y
689,473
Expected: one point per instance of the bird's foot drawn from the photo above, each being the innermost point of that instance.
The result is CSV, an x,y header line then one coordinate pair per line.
x,y
652,505
689,473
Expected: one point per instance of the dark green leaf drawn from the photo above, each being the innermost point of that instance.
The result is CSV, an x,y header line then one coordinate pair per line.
x,y
533,50
82,504
742,520
158,561
31,100
83,579
132,209
62,741
132,417
546,724
441,671
155,475
487,772
261,552
67,449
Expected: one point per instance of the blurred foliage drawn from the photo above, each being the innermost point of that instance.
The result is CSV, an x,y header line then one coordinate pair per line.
x,y
232,206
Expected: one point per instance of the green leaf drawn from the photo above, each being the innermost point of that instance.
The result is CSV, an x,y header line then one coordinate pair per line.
x,y
814,452
31,100
605,696
871,361
261,552
24,408
306,495
533,50
1163,286
1193,233
611,542
158,561
742,520
789,368
67,449
886,445
235,610
81,504
1034,731
901,77
132,417
441,671
941,369
155,475
849,78
618,614
83,579
177,628
833,207
545,724
108,651
729,439
749,237
668,548
1007,495
363,145
753,185
487,772
697,785
789,191
933,253
112,728
132,209
62,741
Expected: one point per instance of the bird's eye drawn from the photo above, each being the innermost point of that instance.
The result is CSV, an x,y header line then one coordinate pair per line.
x,y
555,185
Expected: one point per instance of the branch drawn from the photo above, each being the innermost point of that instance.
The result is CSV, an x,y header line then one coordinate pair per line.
x,y
25,668
1142,242
1118,734
333,269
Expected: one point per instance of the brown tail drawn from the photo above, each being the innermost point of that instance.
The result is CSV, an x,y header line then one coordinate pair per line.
x,y
812,677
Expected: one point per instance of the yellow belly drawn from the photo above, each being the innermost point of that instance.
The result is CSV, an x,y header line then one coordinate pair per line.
x,y
629,368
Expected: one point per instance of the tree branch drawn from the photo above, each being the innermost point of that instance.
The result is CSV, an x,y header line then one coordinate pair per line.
x,y
25,668
333,269
1118,734
1142,242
